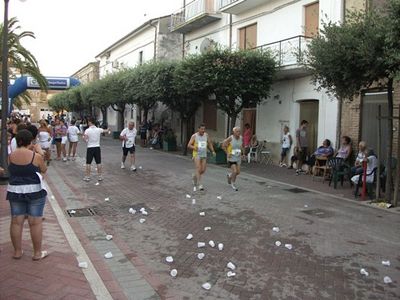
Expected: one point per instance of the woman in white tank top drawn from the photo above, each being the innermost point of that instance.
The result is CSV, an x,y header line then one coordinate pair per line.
x,y
44,134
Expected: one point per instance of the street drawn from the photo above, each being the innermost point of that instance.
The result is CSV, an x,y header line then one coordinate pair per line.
x,y
331,239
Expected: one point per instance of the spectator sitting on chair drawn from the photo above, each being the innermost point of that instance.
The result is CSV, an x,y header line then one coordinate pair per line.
x,y
325,150
372,161
345,149
362,151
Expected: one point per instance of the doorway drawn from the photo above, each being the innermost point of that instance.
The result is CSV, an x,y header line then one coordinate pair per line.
x,y
309,111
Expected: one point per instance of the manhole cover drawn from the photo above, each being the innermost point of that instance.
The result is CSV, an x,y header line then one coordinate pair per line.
x,y
320,213
81,212
297,191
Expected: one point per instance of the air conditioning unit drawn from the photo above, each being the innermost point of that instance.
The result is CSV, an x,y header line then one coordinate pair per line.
x,y
115,64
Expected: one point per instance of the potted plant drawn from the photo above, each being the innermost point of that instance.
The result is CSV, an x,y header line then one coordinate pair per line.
x,y
169,141
220,155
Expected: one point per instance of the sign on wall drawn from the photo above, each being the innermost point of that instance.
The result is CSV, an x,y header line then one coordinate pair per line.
x,y
53,83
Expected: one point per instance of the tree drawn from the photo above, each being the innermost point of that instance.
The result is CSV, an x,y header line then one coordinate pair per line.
x,y
238,79
363,51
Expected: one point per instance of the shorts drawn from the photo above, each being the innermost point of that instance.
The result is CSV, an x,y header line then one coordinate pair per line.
x,y
284,152
64,140
231,163
93,152
130,150
302,155
57,140
33,208
143,135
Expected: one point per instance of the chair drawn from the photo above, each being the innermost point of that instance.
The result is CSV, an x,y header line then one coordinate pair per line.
x,y
265,154
339,169
370,185
253,153
321,166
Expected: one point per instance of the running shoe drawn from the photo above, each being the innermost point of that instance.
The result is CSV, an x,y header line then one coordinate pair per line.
x,y
234,187
194,188
201,187
100,178
284,165
122,165
133,168
86,178
64,159
228,177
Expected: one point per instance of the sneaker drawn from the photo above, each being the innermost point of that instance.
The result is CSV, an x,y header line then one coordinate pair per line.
x,y
122,165
100,178
194,188
86,178
201,187
234,187
68,158
284,165
228,177
64,159
281,164
133,168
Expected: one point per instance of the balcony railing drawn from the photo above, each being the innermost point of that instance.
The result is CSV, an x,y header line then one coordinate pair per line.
x,y
192,11
225,3
238,6
288,52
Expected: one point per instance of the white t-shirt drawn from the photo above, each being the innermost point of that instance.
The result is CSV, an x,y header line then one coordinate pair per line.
x,y
286,140
73,133
13,145
93,135
130,135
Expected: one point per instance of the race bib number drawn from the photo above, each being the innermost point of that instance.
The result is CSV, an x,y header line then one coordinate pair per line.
x,y
236,152
129,143
202,145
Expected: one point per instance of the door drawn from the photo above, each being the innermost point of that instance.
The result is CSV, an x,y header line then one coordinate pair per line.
x,y
311,20
309,112
369,122
250,116
248,37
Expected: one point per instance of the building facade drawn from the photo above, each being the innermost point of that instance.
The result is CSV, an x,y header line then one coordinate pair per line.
x,y
88,73
151,41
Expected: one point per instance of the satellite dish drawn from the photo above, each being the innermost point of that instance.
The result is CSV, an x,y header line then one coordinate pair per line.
x,y
207,45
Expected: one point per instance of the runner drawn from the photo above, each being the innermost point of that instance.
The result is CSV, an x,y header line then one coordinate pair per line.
x,y
233,147
73,132
128,136
198,143
45,140
92,137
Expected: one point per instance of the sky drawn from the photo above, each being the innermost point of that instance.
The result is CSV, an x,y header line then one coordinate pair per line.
x,y
70,33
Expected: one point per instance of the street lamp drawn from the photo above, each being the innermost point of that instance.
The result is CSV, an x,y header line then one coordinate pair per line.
x,y
4,91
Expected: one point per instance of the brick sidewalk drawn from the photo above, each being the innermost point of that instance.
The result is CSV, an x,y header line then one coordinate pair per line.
x,y
56,277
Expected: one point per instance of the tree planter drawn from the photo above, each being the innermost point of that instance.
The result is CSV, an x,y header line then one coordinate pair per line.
x,y
169,145
218,159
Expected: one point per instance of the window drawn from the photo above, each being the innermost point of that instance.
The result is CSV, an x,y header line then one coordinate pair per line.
x,y
210,114
248,37
140,57
311,20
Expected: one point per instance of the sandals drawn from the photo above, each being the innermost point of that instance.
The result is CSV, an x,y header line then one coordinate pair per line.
x,y
43,255
19,257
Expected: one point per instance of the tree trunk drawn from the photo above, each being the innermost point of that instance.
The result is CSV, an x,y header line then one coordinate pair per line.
x,y
188,133
397,181
121,119
232,123
389,183
182,138
145,113
104,114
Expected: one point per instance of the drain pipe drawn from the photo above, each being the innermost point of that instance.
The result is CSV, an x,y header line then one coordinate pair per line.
x,y
155,38
230,31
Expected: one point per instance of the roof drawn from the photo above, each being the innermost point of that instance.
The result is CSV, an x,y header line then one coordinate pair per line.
x,y
130,34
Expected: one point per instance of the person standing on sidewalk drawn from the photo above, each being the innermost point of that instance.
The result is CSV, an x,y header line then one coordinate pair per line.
x,y
128,137
73,137
199,143
286,145
233,147
26,194
302,146
45,140
92,137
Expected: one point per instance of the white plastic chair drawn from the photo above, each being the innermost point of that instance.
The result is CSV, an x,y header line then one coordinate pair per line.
x,y
265,154
253,154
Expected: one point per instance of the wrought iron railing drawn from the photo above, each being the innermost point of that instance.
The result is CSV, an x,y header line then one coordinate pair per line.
x,y
289,51
192,10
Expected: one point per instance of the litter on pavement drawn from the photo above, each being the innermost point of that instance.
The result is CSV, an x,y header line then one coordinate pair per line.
x,y
52,197
306,206
83,265
387,280
132,211
386,263
289,246
220,246
140,167
275,229
231,266
207,228
364,272
188,196
189,236
211,243
230,274
193,201
278,243
201,244
96,183
200,255
109,237
145,213
108,255
219,197
169,259
142,209
202,213
142,221
107,199
72,211
174,272
206,286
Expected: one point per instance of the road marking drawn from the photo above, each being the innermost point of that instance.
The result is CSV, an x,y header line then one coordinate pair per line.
x,y
95,282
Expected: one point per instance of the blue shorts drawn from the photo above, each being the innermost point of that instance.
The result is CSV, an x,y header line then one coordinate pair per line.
x,y
33,208
284,151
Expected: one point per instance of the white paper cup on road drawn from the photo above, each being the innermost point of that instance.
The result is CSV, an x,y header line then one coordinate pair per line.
x,y
142,221
174,272
189,236
188,196
200,255
108,255
107,199
142,209
202,213
231,266
278,243
289,246
219,197
145,213
97,183
169,259
211,243
206,286
220,246
109,237
207,228
201,244
275,229
193,201
364,272
140,167
83,265
386,263
132,211
230,274
387,280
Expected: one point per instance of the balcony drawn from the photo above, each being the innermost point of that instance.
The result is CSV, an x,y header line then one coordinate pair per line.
x,y
194,15
288,54
237,7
